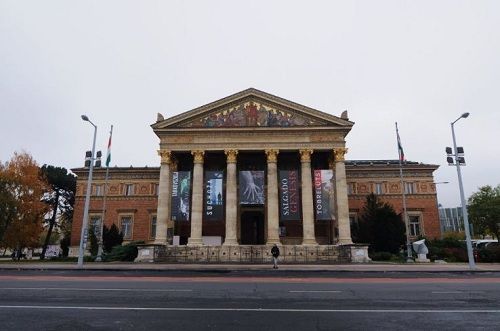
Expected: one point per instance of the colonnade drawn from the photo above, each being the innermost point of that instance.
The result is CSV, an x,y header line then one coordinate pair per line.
x,y
195,239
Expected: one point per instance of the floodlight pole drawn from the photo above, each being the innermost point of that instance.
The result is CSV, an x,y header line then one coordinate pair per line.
x,y
472,264
87,198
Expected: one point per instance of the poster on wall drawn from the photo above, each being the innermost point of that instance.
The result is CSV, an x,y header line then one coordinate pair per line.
x,y
289,195
252,187
181,193
214,197
324,195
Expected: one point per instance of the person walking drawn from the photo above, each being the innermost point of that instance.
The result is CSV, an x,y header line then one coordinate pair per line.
x,y
275,252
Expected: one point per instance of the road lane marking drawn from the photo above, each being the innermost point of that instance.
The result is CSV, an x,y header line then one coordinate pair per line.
x,y
244,279
314,291
95,289
446,292
383,311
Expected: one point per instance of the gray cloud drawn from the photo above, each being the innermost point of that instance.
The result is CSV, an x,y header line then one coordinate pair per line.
x,y
120,62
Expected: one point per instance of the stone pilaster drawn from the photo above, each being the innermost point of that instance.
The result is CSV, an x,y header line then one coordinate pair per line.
x,y
342,202
197,201
231,200
163,210
307,198
272,197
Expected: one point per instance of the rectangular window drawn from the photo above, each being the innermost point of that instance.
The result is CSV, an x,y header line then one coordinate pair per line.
x,y
99,190
129,189
409,188
350,188
95,224
156,189
152,232
378,188
126,227
414,225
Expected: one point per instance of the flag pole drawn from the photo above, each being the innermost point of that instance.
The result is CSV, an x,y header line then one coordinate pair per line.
x,y
108,159
409,255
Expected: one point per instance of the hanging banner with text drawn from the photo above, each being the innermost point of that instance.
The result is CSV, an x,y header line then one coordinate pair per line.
x,y
324,195
213,203
181,193
252,187
289,195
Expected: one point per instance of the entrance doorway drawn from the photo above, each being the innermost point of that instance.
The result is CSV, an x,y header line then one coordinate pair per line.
x,y
252,228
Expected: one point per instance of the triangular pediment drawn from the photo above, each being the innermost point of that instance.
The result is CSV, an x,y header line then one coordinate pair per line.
x,y
252,108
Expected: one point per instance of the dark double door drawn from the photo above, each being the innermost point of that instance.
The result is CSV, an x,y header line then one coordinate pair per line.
x,y
252,228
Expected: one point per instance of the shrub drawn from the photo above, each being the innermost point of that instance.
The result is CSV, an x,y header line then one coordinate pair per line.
x,y
381,256
449,249
126,252
94,242
489,254
111,237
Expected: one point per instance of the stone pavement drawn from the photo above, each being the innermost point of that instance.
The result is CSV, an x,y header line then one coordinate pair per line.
x,y
365,267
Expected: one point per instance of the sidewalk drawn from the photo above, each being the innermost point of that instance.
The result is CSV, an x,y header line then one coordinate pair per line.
x,y
368,267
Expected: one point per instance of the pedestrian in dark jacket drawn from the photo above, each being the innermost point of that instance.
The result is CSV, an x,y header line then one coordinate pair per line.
x,y
275,252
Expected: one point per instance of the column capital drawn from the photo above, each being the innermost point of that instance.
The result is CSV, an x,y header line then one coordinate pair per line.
x,y
272,155
166,156
340,153
305,155
231,155
198,156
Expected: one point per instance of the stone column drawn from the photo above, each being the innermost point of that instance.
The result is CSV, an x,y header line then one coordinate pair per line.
x,y
163,210
308,237
272,198
197,200
231,201
342,202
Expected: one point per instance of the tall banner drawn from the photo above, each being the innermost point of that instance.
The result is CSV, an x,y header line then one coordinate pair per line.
x,y
213,206
252,187
181,193
289,195
324,195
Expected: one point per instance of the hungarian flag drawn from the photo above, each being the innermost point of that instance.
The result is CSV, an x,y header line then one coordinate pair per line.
x,y
108,156
400,147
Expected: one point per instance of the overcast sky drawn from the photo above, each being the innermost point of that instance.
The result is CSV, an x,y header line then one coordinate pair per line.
x,y
420,63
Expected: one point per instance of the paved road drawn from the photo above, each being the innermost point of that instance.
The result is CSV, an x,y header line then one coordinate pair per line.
x,y
118,301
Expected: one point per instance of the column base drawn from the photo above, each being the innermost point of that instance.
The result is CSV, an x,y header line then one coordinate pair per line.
x,y
345,241
272,241
162,241
230,242
195,242
309,242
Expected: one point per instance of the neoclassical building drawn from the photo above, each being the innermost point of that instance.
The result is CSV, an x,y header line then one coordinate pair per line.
x,y
248,171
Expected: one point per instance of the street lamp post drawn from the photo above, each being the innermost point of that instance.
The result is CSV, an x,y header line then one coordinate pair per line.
x,y
472,264
87,197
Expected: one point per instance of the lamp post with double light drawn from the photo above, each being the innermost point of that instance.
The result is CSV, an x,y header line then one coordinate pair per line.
x,y
458,153
85,222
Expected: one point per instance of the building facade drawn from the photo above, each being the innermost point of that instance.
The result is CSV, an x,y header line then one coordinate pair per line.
x,y
252,170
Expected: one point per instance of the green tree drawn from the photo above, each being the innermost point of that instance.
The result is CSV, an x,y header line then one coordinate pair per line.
x,y
94,243
111,237
60,198
484,210
22,187
380,226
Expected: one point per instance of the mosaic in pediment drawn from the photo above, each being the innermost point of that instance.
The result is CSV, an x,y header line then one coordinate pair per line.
x,y
253,114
